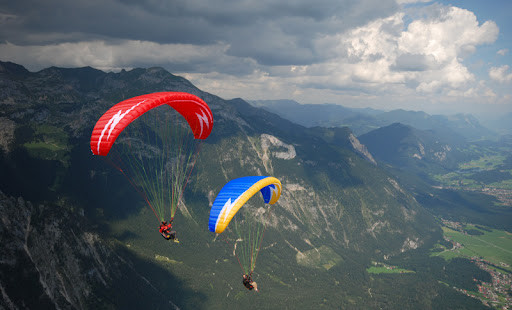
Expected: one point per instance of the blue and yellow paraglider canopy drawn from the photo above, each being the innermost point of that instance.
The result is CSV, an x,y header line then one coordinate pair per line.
x,y
236,193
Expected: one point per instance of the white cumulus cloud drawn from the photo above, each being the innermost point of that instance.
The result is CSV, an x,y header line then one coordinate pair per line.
x,y
502,52
500,74
426,55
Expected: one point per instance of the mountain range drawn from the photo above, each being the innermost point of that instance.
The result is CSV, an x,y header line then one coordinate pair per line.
x,y
78,236
364,120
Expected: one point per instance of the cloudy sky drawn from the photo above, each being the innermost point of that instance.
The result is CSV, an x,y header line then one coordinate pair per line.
x,y
436,56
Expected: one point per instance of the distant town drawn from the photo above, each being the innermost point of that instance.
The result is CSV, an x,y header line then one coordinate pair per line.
x,y
498,292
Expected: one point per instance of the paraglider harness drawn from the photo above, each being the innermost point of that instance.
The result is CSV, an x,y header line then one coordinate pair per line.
x,y
165,231
246,281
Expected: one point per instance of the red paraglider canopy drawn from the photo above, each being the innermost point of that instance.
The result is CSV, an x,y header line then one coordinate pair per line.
x,y
111,124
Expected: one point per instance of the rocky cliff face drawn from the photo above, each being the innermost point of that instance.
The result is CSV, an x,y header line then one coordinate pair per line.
x,y
361,149
49,260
